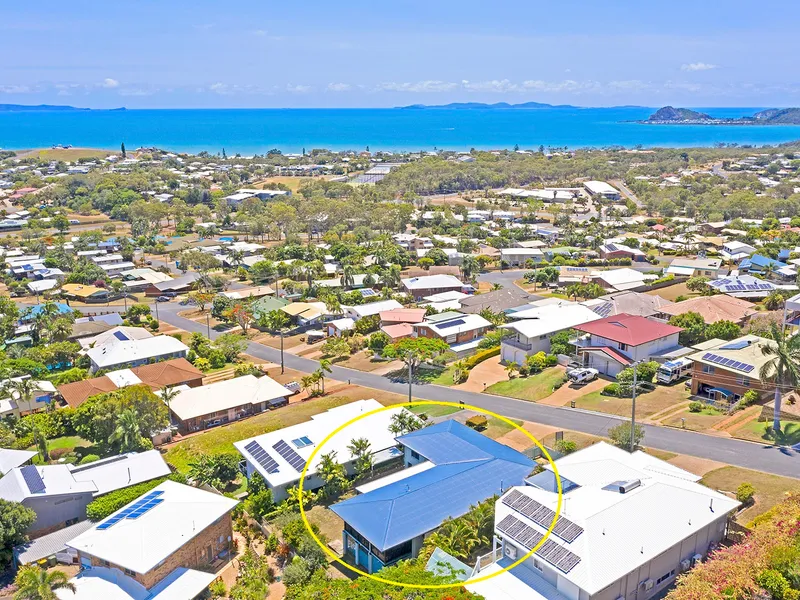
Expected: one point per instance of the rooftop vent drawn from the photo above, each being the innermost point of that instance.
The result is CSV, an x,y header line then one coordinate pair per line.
x,y
623,487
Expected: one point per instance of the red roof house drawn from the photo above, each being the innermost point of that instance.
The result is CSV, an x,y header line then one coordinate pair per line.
x,y
613,343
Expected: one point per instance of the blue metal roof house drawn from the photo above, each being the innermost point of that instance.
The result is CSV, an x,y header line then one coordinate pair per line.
x,y
758,263
449,467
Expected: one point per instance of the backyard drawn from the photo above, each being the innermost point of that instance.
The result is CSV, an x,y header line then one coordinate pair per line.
x,y
532,388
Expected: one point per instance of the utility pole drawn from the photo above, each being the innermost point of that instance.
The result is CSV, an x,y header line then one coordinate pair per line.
x,y
208,325
281,350
633,411
409,379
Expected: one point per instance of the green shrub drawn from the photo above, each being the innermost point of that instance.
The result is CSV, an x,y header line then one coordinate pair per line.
x,y
481,356
107,504
537,362
750,397
774,583
745,493
612,389
551,360
695,407
217,589
89,458
566,446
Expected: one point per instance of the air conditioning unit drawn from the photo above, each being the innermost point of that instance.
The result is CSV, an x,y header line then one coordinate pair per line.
x,y
686,564
646,585
697,558
510,551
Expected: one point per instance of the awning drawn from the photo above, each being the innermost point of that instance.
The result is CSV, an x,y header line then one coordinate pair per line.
x,y
723,391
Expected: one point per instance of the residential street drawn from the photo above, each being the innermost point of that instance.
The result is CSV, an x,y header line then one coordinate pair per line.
x,y
735,452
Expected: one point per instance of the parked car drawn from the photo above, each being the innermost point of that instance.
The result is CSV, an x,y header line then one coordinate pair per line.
x,y
74,222
163,299
293,386
583,375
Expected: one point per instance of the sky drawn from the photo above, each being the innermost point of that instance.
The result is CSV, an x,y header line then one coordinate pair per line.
x,y
262,53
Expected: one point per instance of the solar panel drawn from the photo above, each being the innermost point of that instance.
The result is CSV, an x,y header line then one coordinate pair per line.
x,y
302,442
262,457
121,336
32,479
135,510
296,461
737,345
542,516
452,323
558,556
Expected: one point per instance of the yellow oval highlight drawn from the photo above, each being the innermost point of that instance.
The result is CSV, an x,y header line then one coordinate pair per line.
x,y
333,555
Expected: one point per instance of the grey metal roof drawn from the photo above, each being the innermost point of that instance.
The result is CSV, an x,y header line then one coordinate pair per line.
x,y
49,544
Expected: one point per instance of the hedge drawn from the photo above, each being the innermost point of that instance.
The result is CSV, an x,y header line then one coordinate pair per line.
x,y
481,356
113,501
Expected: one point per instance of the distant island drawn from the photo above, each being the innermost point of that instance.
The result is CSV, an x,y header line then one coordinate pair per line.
x,y
44,108
669,115
482,105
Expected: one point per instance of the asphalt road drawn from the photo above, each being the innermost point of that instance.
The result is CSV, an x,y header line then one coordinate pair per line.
x,y
781,461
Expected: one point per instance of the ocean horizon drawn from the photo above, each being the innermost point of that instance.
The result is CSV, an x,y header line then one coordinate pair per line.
x,y
255,131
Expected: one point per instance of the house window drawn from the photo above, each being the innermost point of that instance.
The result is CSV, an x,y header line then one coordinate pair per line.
x,y
708,369
743,381
537,565
130,573
415,455
622,346
665,576
104,563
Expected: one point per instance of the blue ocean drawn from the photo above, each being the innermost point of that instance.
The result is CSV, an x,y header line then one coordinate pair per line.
x,y
251,131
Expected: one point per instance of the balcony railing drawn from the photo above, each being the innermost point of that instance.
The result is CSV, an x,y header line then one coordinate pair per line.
x,y
511,341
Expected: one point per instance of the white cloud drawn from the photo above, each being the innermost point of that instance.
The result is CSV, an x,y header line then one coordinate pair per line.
x,y
339,87
298,89
494,85
260,32
15,89
110,83
219,88
698,66
417,87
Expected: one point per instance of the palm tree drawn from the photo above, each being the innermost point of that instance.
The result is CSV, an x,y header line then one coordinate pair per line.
x,y
324,367
469,267
782,368
235,257
34,583
295,498
168,394
128,431
511,368
60,330
348,276
361,450
391,276
307,382
23,388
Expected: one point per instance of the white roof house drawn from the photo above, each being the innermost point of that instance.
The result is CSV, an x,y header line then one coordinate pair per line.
x,y
97,478
279,456
621,514
10,458
550,318
431,282
136,352
195,402
117,334
601,188
140,544
111,584
622,279
372,308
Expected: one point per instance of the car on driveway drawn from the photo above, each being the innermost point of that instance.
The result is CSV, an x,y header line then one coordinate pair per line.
x,y
163,299
582,375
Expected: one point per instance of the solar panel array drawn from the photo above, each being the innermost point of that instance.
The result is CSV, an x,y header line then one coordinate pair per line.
x,y
558,556
261,457
542,516
121,336
32,479
611,247
296,461
452,323
135,510
604,309
735,285
727,362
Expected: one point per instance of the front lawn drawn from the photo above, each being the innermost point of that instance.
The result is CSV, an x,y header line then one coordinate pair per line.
x,y
647,404
762,432
770,489
497,428
531,388
695,421
434,411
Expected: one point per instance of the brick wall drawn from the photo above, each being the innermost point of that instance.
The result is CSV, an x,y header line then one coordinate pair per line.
x,y
193,554
726,380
